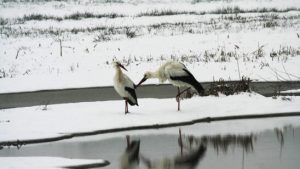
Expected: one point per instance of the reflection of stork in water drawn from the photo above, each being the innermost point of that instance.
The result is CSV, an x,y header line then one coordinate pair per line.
x,y
130,158
187,160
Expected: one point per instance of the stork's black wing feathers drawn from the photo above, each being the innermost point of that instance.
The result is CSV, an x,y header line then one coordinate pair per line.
x,y
190,79
133,94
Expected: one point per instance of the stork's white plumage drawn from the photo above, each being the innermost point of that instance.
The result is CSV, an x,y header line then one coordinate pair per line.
x,y
178,75
124,86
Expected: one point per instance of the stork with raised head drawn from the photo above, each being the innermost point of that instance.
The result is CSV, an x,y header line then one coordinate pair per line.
x,y
124,86
178,75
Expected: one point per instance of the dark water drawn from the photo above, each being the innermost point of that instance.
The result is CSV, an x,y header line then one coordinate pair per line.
x,y
277,147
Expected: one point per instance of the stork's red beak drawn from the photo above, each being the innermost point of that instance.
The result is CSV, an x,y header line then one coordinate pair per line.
x,y
142,81
121,66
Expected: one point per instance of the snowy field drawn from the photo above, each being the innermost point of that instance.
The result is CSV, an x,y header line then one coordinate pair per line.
x,y
66,44
61,120
55,44
52,121
61,44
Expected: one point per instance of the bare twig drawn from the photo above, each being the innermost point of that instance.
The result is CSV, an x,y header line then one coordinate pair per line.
x,y
288,74
259,48
20,49
259,52
60,44
277,74
237,60
285,71
238,65
18,53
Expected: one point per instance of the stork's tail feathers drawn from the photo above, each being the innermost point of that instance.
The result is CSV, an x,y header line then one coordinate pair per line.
x,y
192,81
199,88
132,103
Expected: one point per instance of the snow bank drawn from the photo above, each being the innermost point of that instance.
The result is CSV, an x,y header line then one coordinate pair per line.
x,y
45,162
64,119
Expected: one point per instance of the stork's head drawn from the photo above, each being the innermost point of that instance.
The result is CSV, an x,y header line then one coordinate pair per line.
x,y
147,75
118,65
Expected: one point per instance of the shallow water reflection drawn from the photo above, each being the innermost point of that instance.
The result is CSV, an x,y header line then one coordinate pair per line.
x,y
277,148
229,151
188,158
191,151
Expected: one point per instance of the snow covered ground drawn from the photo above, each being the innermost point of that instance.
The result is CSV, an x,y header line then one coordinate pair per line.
x,y
61,120
291,91
44,162
214,39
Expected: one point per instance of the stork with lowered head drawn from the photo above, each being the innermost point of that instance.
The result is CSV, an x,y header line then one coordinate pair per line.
x,y
178,75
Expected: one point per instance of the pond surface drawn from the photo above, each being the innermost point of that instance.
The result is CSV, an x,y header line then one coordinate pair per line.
x,y
237,144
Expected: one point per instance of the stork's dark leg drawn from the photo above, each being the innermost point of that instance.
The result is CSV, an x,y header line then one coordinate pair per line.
x,y
180,93
178,96
178,99
126,107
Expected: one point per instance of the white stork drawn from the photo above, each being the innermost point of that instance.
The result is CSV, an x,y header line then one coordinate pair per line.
x,y
178,75
124,86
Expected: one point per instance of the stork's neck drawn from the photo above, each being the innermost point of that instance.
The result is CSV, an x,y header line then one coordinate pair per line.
x,y
119,74
160,75
154,74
